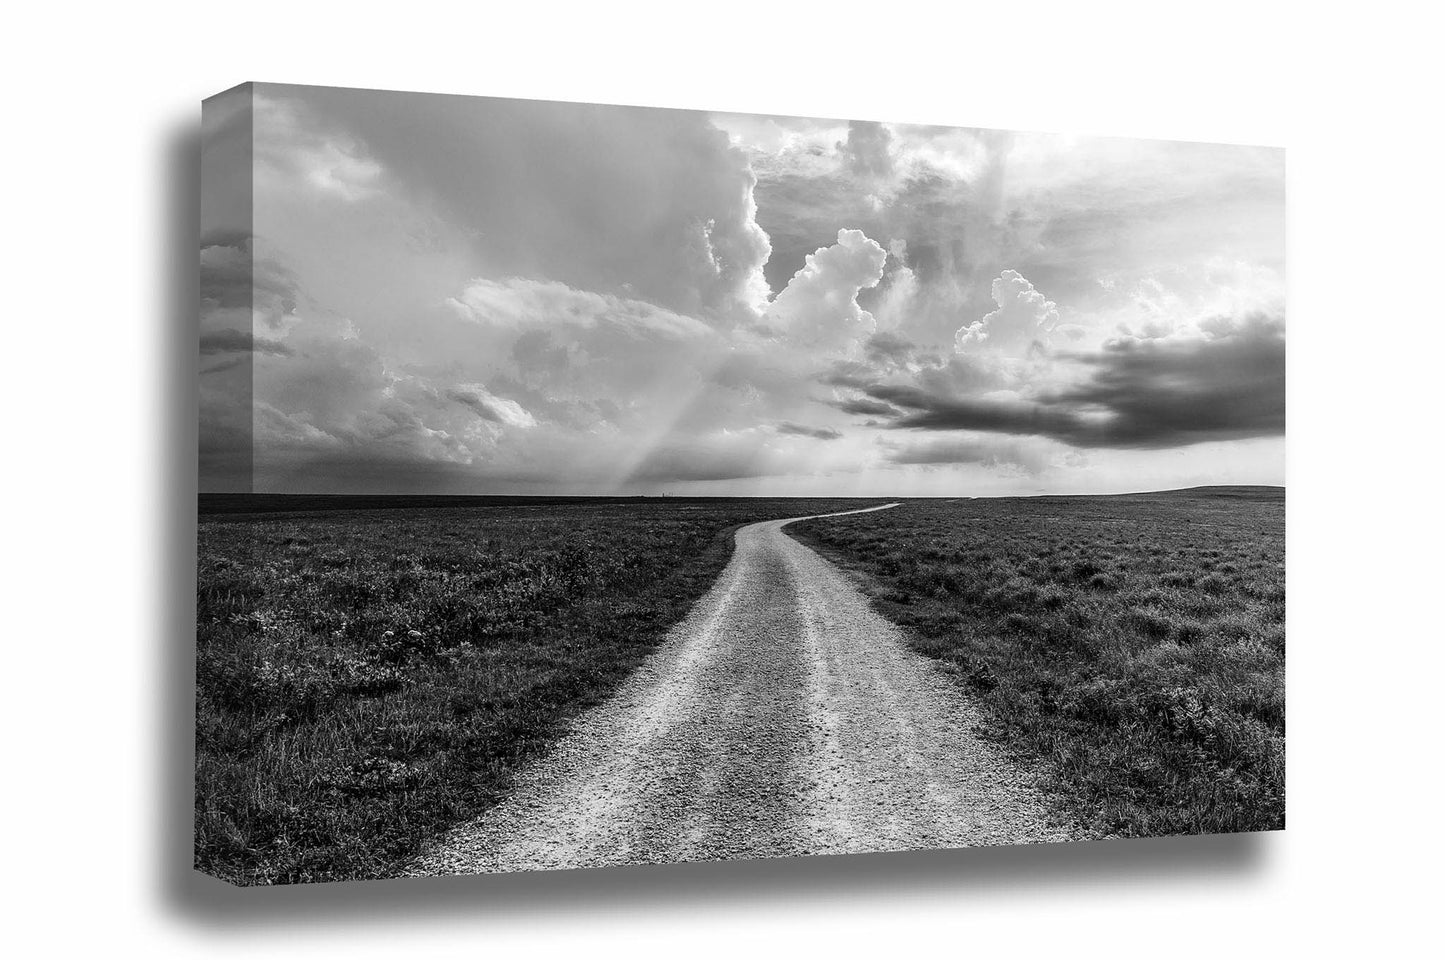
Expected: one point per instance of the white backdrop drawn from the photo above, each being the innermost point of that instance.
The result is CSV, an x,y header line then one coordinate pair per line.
x,y
101,113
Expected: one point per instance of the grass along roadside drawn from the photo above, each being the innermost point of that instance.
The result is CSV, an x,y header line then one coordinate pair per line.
x,y
368,678
1134,643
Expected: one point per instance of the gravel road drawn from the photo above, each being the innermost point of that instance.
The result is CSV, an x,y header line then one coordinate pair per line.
x,y
782,717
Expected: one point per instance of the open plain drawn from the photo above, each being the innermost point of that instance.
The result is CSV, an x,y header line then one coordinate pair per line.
x,y
419,686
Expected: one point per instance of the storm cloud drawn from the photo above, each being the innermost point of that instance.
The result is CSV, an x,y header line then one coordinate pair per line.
x,y
864,407
1141,393
476,295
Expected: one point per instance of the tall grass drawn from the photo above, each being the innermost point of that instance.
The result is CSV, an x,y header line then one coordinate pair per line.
x,y
367,678
1136,644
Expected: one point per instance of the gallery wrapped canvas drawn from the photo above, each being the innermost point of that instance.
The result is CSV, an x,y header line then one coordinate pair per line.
x,y
589,485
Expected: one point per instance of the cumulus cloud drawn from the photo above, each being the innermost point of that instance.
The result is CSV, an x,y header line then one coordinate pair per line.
x,y
949,225
1063,212
819,307
1024,317
486,295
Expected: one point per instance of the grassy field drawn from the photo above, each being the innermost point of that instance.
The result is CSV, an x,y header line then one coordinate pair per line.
x,y
368,677
1136,643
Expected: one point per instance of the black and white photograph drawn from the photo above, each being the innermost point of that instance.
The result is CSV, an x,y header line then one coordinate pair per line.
x,y
588,485
728,481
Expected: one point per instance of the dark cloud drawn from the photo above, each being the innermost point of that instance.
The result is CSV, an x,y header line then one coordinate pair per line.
x,y
929,411
1141,394
239,341
226,237
849,373
226,271
798,430
224,365
863,407
888,348
1169,392
232,276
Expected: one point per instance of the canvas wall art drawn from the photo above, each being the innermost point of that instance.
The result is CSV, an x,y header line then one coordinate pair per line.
x,y
591,485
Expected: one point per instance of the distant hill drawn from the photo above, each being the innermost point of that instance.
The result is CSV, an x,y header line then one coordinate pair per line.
x,y
1240,492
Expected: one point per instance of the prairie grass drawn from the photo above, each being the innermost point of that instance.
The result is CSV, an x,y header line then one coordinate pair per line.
x,y
1135,643
367,678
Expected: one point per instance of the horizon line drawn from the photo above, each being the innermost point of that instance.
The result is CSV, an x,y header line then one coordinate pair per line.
x,y
689,496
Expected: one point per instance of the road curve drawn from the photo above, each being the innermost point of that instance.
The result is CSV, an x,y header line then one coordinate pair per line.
x,y
782,717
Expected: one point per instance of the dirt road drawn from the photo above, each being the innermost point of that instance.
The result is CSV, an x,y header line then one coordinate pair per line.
x,y
781,717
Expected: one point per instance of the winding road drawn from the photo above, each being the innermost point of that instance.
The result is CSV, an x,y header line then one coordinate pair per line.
x,y
782,717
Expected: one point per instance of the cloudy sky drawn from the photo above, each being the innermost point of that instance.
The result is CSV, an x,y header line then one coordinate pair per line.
x,y
471,295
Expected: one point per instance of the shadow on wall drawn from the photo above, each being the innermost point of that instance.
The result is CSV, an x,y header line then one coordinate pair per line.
x,y
702,887
200,900
177,342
